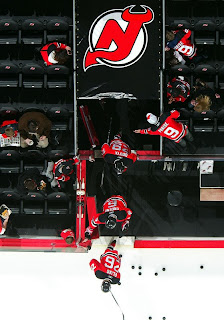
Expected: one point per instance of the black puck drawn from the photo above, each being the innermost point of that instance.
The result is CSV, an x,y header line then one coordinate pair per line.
x,y
164,269
139,273
156,274
202,267
150,318
132,267
140,267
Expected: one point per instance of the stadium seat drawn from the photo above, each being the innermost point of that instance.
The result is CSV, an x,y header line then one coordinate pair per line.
x,y
180,23
9,74
221,77
55,155
207,73
57,77
8,31
10,155
57,112
8,109
33,156
180,70
220,120
34,203
221,33
57,30
10,168
204,115
33,76
32,31
204,121
58,203
205,32
9,195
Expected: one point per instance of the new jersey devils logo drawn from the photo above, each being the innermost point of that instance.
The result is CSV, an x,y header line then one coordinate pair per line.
x,y
118,38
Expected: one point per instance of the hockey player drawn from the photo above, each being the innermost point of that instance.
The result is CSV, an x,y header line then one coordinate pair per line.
x,y
114,210
167,127
108,267
119,154
55,52
68,235
61,171
179,40
178,90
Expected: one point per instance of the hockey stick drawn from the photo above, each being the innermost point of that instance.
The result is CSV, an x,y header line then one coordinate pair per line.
x,y
108,139
117,304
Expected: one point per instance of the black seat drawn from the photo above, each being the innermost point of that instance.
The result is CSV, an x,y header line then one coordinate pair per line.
x,y
180,23
221,33
58,30
10,168
207,73
33,156
8,31
58,203
205,32
32,31
9,74
180,70
33,75
8,110
204,115
55,155
10,155
9,195
57,112
34,203
57,77
221,77
204,121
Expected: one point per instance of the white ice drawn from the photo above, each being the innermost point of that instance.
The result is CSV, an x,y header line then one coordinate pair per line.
x,y
53,286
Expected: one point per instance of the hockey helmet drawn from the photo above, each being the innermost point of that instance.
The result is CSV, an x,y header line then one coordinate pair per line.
x,y
111,221
106,285
119,166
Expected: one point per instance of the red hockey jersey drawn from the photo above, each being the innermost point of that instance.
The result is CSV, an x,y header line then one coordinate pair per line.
x,y
48,48
109,265
114,203
60,176
119,148
184,85
168,128
182,43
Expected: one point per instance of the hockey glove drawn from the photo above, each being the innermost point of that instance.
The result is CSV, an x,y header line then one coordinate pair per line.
x,y
125,226
87,235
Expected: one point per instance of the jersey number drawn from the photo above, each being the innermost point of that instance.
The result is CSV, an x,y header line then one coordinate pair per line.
x,y
171,132
117,147
110,263
187,50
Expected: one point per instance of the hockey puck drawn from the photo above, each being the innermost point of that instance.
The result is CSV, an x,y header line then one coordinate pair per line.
x,y
164,318
164,269
202,267
139,273
156,274
132,267
140,267
150,318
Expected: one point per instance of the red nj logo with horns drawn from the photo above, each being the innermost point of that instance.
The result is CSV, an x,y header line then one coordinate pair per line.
x,y
118,38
